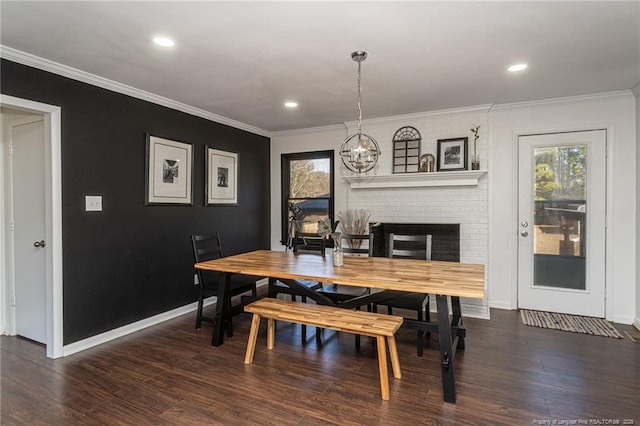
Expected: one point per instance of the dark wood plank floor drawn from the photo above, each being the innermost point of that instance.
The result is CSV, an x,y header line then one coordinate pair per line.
x,y
170,374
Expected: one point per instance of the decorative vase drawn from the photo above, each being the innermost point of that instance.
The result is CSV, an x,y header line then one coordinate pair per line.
x,y
338,254
338,257
475,162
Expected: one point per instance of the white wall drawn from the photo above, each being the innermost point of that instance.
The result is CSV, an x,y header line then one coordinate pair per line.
x,y
488,213
614,112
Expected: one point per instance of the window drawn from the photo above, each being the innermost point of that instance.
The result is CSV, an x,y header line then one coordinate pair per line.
x,y
307,191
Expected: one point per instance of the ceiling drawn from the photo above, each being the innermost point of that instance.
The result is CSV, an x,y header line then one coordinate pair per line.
x,y
242,60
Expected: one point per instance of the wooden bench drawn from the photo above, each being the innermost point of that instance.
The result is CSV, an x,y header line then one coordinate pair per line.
x,y
382,327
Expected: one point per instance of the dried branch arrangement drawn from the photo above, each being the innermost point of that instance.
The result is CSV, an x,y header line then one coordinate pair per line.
x,y
354,222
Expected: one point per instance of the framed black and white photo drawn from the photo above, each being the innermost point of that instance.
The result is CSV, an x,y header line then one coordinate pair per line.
x,y
452,154
222,177
169,172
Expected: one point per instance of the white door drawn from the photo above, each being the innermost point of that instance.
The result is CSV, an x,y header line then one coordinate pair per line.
x,y
28,218
562,198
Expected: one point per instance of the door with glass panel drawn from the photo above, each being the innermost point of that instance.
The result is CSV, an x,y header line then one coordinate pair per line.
x,y
561,229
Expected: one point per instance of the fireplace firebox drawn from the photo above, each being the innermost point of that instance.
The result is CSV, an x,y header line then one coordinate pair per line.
x,y
445,243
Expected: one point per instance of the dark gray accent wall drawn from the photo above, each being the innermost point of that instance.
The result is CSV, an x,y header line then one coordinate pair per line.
x,y
132,261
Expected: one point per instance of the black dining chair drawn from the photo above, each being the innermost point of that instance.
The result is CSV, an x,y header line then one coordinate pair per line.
x,y
352,245
303,243
208,247
410,247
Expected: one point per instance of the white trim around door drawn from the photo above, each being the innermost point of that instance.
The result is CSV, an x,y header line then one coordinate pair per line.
x,y
562,214
53,207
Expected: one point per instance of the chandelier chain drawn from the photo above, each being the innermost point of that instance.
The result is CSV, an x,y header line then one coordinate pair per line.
x,y
359,98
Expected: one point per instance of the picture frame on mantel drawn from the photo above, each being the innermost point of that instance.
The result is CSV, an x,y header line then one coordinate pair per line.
x,y
169,172
452,154
221,186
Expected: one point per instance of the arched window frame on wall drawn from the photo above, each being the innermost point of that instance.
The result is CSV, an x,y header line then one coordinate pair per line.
x,y
406,150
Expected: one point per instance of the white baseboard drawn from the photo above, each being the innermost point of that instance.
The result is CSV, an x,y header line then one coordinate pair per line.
x,y
139,325
619,319
501,304
636,324
131,328
471,311
475,311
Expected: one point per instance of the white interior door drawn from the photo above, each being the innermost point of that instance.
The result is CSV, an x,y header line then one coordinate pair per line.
x,y
29,245
562,199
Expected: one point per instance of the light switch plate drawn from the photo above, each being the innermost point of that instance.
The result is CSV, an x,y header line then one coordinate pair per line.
x,y
93,203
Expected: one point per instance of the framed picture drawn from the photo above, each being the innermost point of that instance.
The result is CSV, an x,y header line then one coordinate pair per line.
x,y
169,172
452,154
221,186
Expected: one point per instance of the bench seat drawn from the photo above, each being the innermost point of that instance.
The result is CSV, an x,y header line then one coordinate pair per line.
x,y
382,327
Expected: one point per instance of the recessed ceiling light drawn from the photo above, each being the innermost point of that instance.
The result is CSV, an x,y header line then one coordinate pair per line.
x,y
163,41
291,104
517,67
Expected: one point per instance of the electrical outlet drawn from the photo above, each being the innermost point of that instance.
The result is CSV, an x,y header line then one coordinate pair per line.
x,y
93,203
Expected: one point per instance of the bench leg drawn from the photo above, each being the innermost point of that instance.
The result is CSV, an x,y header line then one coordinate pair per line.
x,y
271,333
253,336
393,353
382,366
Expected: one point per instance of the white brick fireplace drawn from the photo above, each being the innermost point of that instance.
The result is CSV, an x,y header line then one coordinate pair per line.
x,y
463,205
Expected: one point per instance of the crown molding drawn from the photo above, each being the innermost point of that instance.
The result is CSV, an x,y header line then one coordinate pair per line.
x,y
422,115
566,99
331,128
95,80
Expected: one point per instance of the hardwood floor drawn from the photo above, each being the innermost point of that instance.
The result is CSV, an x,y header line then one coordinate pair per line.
x,y
170,374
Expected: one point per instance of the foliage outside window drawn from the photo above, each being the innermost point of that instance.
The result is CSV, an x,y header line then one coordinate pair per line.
x,y
560,182
560,173
307,191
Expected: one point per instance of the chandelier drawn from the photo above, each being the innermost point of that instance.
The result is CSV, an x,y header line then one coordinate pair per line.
x,y
359,152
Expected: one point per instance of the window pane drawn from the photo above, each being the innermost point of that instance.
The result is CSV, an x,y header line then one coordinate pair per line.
x,y
560,216
310,212
309,178
306,192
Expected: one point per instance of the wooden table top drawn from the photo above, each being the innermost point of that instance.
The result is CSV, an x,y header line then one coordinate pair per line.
x,y
418,276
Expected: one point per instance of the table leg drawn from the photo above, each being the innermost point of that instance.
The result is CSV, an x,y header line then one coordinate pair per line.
x,y
456,321
271,289
446,350
222,312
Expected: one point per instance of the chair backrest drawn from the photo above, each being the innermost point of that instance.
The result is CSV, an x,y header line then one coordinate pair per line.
x,y
357,244
307,242
409,246
206,247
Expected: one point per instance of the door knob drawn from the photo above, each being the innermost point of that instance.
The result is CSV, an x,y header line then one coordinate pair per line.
x,y
524,223
524,233
39,243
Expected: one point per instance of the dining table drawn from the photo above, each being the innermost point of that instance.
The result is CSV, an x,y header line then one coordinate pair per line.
x,y
388,277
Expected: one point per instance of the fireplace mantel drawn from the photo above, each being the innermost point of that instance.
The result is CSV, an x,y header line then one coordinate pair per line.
x,y
416,180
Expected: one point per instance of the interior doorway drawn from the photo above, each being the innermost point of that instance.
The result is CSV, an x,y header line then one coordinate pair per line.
x,y
25,204
50,116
